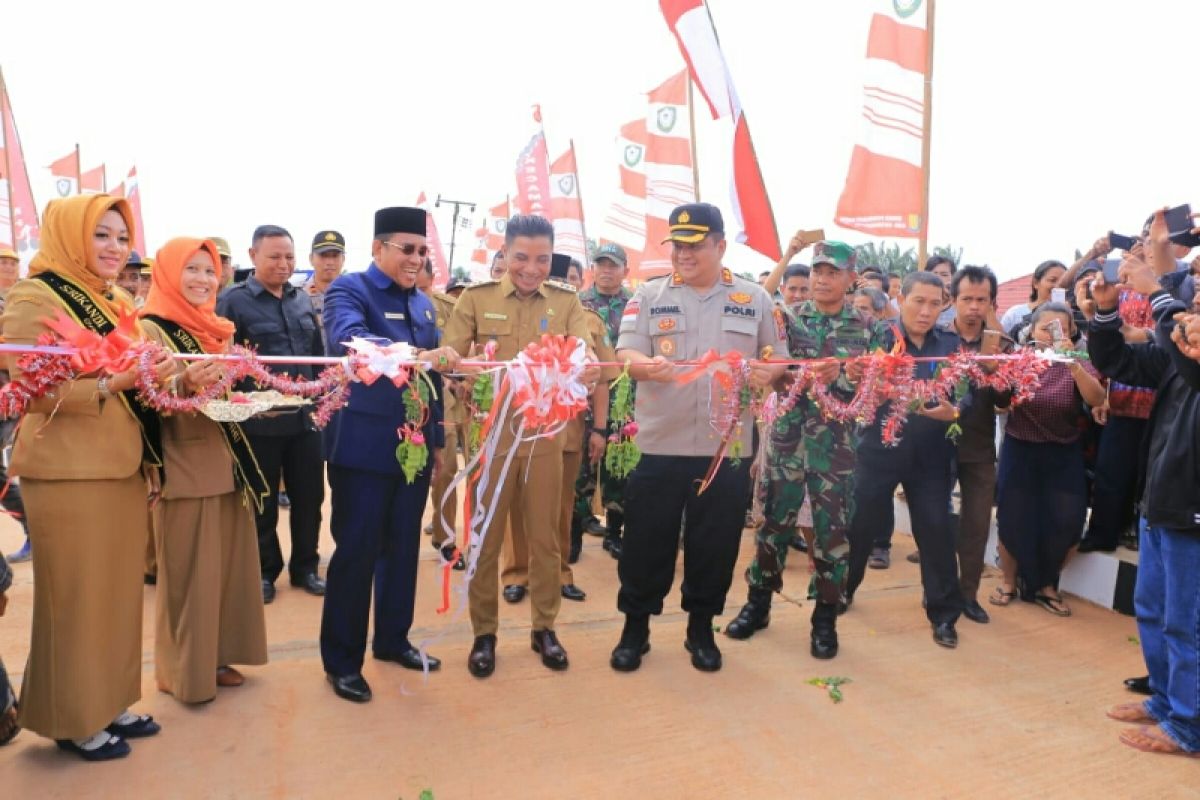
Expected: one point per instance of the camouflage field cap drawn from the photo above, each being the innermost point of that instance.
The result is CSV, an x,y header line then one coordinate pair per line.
x,y
835,254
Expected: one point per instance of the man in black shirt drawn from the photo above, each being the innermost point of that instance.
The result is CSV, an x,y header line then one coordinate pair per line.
x,y
922,462
277,319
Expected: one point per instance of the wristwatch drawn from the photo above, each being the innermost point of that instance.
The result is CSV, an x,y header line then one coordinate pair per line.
x,y
102,385
601,432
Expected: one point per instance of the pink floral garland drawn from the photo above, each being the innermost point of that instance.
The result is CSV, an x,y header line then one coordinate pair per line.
x,y
331,386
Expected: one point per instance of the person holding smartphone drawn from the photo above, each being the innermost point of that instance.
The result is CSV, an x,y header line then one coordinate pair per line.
x,y
1045,279
1041,497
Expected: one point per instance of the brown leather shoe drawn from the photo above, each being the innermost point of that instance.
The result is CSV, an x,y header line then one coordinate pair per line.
x,y
228,676
482,661
553,654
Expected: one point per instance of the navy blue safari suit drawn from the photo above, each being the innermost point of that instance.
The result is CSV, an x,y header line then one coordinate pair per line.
x,y
376,519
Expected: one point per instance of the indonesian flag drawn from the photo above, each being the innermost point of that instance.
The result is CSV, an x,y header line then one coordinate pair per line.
x,y
626,221
490,238
566,208
697,36
94,181
66,171
670,181
133,196
19,225
437,253
883,189
533,172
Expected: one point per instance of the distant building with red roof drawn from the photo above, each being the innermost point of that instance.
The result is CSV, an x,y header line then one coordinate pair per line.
x,y
1012,293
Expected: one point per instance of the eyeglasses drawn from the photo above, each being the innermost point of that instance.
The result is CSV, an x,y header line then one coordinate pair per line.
x,y
408,248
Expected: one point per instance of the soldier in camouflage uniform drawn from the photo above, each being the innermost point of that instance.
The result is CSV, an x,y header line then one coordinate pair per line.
x,y
809,454
607,297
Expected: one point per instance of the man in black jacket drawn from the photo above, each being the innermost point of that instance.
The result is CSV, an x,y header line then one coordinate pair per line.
x,y
1165,598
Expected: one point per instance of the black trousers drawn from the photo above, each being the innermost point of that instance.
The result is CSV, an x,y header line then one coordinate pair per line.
x,y
298,459
927,479
659,497
1116,480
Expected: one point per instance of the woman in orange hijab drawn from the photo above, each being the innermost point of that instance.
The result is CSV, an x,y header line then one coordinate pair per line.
x,y
80,453
210,606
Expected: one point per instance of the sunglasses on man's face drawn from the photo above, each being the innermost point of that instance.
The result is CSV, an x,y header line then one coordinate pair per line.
x,y
408,248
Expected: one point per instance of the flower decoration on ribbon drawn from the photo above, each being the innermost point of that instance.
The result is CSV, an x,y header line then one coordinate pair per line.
x,y
111,353
372,360
545,379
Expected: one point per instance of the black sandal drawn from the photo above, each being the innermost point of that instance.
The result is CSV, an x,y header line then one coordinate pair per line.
x,y
141,727
115,747
1055,605
999,597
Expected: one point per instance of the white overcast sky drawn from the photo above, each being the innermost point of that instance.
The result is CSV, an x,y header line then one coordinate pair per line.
x,y
1054,120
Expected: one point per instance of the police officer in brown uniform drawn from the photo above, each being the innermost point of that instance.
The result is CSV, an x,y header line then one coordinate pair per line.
x,y
514,311
701,306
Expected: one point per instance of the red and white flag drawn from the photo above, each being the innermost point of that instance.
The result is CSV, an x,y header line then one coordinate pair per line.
x,y
625,223
689,20
533,172
19,226
94,181
883,190
670,180
566,208
489,239
133,196
66,172
441,271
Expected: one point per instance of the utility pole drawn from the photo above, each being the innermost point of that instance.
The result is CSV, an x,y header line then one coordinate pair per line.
x,y
453,227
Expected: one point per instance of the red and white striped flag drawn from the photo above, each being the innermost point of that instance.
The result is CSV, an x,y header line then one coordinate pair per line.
x,y
490,237
884,186
626,221
566,208
441,272
670,180
19,226
533,172
689,20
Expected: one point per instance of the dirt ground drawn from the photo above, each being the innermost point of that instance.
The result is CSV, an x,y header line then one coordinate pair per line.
x,y
1016,711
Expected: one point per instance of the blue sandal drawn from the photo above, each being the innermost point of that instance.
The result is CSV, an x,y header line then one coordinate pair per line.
x,y
143,726
115,747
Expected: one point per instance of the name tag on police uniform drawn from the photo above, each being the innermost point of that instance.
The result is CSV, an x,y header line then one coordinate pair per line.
x,y
494,315
393,315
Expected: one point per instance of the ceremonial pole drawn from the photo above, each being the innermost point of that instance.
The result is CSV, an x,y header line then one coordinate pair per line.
x,y
926,129
5,110
582,216
78,171
692,121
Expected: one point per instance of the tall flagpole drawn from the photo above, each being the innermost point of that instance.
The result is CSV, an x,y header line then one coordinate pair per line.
x,y
923,244
579,191
692,122
104,178
78,171
5,109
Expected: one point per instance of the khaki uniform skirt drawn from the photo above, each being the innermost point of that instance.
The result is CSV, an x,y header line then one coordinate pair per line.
x,y
210,606
85,660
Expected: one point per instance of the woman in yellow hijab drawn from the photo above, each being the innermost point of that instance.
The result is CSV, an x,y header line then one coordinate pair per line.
x,y
79,453
209,596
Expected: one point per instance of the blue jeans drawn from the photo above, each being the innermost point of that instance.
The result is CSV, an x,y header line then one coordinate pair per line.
x,y
1167,601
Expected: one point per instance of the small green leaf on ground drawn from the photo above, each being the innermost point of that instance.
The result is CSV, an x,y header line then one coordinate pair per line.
x,y
1134,640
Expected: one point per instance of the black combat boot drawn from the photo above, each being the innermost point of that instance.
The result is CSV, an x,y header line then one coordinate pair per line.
x,y
706,656
615,521
824,631
753,617
576,539
635,643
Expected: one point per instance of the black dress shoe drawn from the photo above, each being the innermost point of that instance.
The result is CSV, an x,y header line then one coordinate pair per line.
x,y
482,661
116,747
613,546
1139,685
410,659
514,593
1092,546
573,592
798,543
150,580
268,592
975,612
945,635
595,527
553,655
311,584
350,687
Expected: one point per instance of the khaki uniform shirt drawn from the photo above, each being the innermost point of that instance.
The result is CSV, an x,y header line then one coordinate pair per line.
x,y
443,305
574,434
666,317
493,311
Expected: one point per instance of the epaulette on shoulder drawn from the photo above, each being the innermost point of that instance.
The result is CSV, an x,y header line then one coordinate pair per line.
x,y
480,284
561,286
656,278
